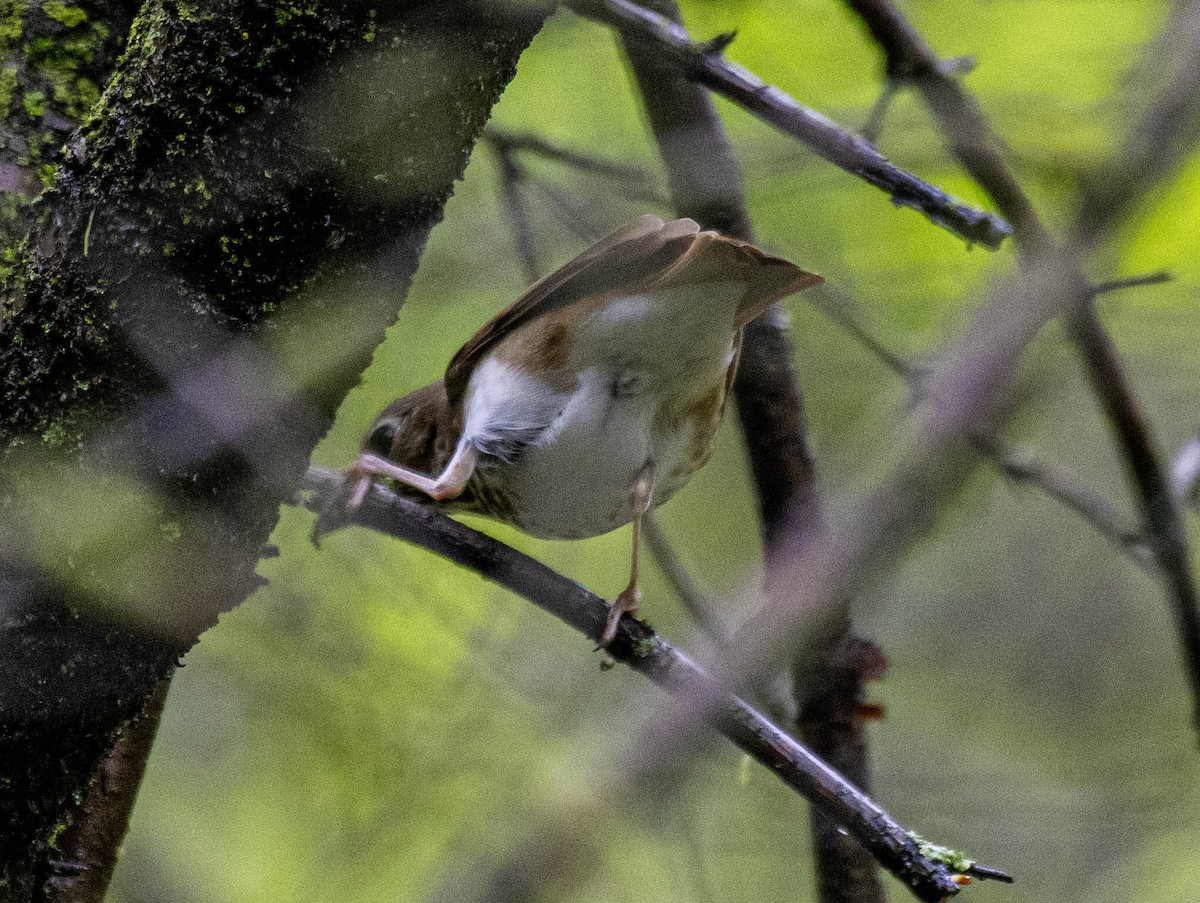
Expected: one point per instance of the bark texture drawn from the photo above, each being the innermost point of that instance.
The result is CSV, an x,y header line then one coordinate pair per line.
x,y
55,57
259,177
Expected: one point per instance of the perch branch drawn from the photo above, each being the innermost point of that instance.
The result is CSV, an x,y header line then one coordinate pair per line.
x,y
645,652
704,63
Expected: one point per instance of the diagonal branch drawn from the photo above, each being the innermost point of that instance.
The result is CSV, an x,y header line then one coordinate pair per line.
x,y
648,654
971,138
1016,467
1169,127
705,64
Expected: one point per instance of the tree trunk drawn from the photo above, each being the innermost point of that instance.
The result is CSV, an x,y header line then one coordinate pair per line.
x,y
249,198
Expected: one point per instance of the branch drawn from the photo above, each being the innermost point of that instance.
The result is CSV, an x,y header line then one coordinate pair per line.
x,y
680,580
632,181
88,848
1093,509
1156,144
706,184
705,64
510,175
972,141
1161,517
1090,507
647,653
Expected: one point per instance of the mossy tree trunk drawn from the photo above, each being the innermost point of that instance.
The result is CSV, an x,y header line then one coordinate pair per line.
x,y
55,57
257,180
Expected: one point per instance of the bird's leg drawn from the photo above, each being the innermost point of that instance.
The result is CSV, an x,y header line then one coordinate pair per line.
x,y
449,484
627,602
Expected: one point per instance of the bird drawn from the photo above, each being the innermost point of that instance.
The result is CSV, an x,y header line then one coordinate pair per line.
x,y
591,399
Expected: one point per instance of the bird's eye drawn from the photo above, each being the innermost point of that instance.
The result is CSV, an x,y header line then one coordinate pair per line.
x,y
380,439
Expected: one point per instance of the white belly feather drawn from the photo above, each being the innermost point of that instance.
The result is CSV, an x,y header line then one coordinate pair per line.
x,y
572,457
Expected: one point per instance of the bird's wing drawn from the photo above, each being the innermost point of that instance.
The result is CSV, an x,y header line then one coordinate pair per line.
x,y
650,253
713,257
628,257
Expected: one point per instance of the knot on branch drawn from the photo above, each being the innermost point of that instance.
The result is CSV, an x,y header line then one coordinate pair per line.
x,y
715,45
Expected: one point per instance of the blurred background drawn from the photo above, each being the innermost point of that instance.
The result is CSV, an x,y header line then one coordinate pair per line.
x,y
375,722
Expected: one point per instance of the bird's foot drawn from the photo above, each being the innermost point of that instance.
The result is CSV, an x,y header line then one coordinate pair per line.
x,y
356,483
626,603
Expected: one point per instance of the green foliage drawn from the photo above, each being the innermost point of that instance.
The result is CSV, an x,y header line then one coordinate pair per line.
x,y
377,718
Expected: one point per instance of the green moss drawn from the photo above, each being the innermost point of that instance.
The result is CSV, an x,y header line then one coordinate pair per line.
x,y
35,104
647,647
8,87
55,833
68,15
952,859
55,436
12,20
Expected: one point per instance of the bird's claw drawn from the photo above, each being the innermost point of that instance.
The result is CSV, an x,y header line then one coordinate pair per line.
x,y
356,483
626,603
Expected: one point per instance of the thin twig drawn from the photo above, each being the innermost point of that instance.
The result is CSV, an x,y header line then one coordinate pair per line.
x,y
574,215
1093,509
1119,285
677,576
844,149
872,129
632,181
509,175
645,652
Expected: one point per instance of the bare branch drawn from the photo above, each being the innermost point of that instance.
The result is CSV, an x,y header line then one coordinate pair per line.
x,y
632,181
970,135
1161,516
844,149
1019,468
650,655
1119,285
681,581
1093,509
512,201
1156,144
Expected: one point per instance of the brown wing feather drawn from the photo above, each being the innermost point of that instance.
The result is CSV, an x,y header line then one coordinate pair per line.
x,y
628,257
648,253
714,257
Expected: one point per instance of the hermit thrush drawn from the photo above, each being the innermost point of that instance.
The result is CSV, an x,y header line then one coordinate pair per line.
x,y
593,397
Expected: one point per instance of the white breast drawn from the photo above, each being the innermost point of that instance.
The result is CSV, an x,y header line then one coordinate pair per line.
x,y
570,459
